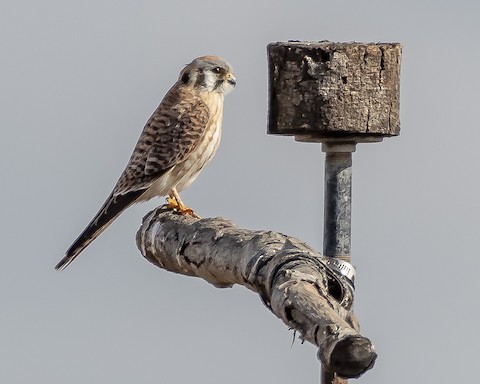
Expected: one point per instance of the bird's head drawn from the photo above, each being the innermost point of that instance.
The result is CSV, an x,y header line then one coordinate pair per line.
x,y
209,74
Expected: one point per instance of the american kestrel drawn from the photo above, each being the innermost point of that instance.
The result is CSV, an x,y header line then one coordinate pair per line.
x,y
179,139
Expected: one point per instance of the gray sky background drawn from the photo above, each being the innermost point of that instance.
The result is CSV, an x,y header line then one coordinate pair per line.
x,y
78,80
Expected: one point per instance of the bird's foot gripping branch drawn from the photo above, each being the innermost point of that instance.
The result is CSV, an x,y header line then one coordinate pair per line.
x,y
293,280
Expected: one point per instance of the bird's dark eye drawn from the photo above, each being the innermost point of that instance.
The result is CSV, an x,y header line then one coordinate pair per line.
x,y
217,70
185,78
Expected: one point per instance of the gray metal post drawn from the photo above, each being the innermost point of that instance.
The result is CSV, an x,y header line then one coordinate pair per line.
x,y
337,212
337,199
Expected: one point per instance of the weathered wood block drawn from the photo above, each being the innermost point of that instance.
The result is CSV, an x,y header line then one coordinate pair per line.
x,y
323,90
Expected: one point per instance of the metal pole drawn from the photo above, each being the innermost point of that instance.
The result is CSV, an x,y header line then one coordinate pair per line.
x,y
337,213
338,199
327,377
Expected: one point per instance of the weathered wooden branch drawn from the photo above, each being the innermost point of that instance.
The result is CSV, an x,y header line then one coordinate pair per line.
x,y
293,280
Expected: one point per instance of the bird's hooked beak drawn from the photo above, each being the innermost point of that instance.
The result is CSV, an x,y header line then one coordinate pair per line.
x,y
231,80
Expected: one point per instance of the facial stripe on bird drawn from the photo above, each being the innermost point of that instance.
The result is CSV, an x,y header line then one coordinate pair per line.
x,y
200,82
218,83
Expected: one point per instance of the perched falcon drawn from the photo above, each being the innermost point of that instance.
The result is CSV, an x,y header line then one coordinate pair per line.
x,y
179,139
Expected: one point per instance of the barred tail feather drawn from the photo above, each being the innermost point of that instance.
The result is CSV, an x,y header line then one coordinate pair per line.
x,y
110,210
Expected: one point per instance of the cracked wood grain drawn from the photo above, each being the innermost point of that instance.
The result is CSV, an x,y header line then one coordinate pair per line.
x,y
325,89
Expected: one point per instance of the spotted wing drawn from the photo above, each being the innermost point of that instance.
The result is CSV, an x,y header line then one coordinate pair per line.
x,y
172,132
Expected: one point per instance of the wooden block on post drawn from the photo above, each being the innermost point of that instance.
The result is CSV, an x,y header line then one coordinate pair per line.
x,y
324,90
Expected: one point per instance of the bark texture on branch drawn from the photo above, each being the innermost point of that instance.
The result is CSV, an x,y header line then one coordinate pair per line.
x,y
292,279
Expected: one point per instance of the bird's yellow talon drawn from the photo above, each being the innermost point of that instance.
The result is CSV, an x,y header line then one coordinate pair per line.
x,y
172,204
190,212
178,206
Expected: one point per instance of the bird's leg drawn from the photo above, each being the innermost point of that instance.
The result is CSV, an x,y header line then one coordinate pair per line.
x,y
175,203
172,203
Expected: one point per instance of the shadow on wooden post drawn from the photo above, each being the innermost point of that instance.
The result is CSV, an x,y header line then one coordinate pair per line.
x,y
339,94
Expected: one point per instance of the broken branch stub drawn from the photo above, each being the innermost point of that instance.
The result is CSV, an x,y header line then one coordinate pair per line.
x,y
293,280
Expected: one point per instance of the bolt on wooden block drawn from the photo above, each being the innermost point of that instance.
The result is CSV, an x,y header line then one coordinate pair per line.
x,y
325,90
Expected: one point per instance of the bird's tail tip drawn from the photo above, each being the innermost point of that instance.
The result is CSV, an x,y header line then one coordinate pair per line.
x,y
64,263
